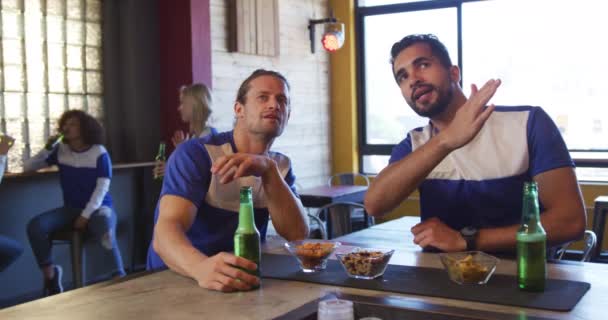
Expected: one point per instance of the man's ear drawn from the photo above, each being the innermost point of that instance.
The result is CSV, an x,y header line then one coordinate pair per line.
x,y
239,109
455,74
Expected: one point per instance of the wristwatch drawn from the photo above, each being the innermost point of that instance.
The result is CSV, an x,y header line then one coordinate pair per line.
x,y
470,236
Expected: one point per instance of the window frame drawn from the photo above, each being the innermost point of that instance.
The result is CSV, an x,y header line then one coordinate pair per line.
x,y
367,149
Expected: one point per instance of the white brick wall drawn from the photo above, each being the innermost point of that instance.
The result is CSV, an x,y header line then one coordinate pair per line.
x,y
306,139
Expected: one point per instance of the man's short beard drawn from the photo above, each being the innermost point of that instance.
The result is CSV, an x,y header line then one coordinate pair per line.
x,y
437,108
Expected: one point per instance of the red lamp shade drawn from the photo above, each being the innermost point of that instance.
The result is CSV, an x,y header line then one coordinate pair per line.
x,y
333,38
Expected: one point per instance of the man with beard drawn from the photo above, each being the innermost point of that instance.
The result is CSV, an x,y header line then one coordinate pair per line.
x,y
471,161
197,213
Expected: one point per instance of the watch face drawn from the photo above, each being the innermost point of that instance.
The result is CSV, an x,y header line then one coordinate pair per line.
x,y
468,231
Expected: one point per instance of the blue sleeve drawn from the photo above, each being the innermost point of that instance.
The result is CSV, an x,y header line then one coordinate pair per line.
x,y
52,158
104,166
290,179
401,150
213,130
187,173
546,146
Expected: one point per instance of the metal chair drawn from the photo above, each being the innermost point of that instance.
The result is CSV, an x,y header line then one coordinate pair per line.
x,y
319,230
348,179
590,240
351,179
338,220
599,222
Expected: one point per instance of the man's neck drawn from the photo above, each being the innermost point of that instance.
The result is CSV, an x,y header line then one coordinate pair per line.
x,y
444,119
247,142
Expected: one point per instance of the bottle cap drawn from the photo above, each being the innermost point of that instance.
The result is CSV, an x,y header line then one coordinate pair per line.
x,y
335,309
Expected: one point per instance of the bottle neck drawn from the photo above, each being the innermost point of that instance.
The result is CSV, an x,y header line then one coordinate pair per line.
x,y
161,152
246,217
530,211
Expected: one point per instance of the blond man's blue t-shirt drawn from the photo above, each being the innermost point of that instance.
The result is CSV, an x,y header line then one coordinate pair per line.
x,y
188,175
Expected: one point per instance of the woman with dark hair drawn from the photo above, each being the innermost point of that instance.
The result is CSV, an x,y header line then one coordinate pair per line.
x,y
85,170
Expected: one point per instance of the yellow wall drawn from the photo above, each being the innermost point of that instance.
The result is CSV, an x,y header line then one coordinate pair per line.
x,y
345,151
343,79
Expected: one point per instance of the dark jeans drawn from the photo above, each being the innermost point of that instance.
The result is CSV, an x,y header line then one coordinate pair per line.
x,y
101,228
10,250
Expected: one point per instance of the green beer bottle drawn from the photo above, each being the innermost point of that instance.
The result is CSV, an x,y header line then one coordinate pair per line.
x,y
531,244
53,142
247,236
160,156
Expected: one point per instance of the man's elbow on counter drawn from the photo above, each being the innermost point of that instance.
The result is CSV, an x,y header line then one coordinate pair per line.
x,y
372,208
155,245
303,234
578,226
573,229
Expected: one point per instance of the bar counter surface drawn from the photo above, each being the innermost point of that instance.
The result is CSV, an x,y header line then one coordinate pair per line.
x,y
166,295
53,169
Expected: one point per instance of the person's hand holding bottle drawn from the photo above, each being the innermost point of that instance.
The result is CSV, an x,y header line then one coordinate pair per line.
x,y
6,142
53,141
159,168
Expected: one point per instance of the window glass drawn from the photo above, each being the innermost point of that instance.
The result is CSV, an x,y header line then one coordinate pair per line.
x,y
559,66
388,117
51,62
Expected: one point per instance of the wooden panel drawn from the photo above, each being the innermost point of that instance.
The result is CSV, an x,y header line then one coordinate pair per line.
x,y
253,27
267,27
245,26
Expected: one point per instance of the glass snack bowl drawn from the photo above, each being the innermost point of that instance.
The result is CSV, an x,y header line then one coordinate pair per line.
x,y
312,254
365,263
469,267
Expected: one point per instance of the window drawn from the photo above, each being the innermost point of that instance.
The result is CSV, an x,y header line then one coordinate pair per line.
x,y
50,61
541,60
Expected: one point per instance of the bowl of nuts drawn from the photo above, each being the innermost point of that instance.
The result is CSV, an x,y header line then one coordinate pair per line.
x,y
469,267
312,254
365,263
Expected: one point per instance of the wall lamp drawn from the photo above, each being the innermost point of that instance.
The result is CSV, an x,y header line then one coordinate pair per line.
x,y
333,37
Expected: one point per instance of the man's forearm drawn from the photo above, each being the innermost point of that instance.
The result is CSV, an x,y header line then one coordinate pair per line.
x,y
286,210
172,245
397,181
497,239
503,238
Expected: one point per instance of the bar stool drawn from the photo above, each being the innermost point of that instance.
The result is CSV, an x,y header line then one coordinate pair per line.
x,y
599,222
76,241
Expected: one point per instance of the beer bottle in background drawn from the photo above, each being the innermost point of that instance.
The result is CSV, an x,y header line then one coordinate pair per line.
x,y
247,237
531,244
53,142
160,156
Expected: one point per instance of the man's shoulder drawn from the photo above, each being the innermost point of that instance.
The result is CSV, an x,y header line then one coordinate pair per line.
x,y
199,146
281,159
511,110
210,139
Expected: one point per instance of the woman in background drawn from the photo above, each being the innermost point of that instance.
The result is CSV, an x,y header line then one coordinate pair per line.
x,y
85,170
194,109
